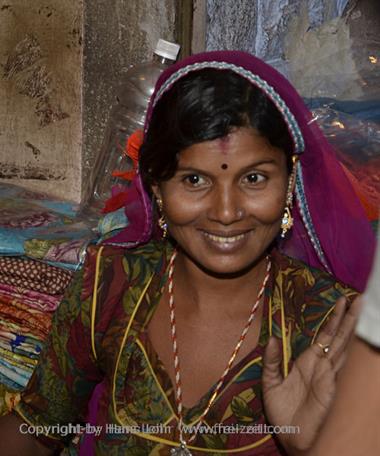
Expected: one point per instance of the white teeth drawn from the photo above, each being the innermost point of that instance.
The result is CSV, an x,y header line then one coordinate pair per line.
x,y
225,240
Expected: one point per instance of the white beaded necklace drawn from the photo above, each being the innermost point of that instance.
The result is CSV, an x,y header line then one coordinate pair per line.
x,y
183,450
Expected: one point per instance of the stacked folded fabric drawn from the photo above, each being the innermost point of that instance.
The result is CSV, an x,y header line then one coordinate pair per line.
x,y
37,227
42,243
30,292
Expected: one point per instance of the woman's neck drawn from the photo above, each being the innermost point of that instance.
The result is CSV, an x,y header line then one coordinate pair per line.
x,y
202,292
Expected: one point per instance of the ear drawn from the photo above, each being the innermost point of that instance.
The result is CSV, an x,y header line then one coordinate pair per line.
x,y
156,191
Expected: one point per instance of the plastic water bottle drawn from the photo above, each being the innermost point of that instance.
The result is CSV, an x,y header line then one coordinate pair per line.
x,y
127,116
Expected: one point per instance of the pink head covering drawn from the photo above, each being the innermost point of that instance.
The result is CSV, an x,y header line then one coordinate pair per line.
x,y
331,230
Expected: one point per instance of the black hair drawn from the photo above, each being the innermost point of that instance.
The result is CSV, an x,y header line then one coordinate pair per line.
x,y
203,106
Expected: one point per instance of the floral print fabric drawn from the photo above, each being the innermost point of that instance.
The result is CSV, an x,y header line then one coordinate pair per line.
x,y
100,339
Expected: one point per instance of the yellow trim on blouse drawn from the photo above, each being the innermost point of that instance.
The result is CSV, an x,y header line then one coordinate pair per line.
x,y
322,322
174,414
94,298
123,343
270,316
283,336
152,437
138,342
243,368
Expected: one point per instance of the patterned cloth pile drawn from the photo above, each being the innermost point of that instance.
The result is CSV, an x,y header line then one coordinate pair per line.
x,y
42,243
30,292
48,230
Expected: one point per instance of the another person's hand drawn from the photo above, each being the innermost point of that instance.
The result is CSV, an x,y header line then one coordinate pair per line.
x,y
304,397
17,443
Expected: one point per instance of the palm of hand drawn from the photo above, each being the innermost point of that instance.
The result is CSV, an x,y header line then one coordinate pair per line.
x,y
309,390
304,397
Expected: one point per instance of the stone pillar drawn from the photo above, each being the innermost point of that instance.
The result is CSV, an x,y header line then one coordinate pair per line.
x,y
40,92
61,61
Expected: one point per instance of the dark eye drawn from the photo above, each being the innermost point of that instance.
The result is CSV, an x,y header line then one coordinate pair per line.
x,y
254,178
195,180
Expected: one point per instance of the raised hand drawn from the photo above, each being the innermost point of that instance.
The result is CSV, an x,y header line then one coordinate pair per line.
x,y
304,397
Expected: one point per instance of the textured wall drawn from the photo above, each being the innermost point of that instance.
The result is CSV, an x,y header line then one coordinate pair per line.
x,y
198,41
321,45
231,25
40,85
118,33
259,26
331,59
364,23
46,141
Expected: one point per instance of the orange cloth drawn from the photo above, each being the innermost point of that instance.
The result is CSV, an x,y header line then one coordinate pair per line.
x,y
132,151
371,209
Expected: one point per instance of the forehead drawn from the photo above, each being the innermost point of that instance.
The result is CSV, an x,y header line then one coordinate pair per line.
x,y
240,147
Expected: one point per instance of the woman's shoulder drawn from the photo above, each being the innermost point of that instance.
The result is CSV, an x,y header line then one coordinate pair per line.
x,y
147,256
121,279
308,295
302,279
112,272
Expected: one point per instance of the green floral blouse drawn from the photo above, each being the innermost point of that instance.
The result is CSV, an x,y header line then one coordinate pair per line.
x,y
99,367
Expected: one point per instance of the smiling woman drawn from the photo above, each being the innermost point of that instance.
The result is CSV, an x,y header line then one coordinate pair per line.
x,y
226,220
193,339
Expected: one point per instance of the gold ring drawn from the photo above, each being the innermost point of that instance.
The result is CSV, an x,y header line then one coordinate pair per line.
x,y
325,348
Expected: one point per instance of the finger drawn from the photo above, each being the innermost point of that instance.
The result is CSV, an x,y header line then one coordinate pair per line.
x,y
327,333
329,329
345,331
357,304
339,362
272,365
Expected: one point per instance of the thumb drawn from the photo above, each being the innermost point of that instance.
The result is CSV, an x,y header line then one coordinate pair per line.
x,y
272,365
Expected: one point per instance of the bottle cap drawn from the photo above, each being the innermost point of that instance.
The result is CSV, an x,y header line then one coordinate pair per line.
x,y
167,49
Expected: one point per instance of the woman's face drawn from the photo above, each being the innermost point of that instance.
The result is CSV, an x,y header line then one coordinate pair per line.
x,y
225,202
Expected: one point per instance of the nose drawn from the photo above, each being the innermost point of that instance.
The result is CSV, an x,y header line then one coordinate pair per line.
x,y
226,206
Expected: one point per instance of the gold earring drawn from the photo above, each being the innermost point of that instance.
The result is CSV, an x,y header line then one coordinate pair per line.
x,y
287,219
161,221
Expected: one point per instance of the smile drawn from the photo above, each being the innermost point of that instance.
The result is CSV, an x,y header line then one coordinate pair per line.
x,y
225,239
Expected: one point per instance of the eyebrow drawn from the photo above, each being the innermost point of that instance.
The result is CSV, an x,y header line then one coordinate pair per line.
x,y
252,165
191,169
262,162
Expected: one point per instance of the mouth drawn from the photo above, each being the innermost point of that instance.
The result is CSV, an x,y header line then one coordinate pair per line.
x,y
226,241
